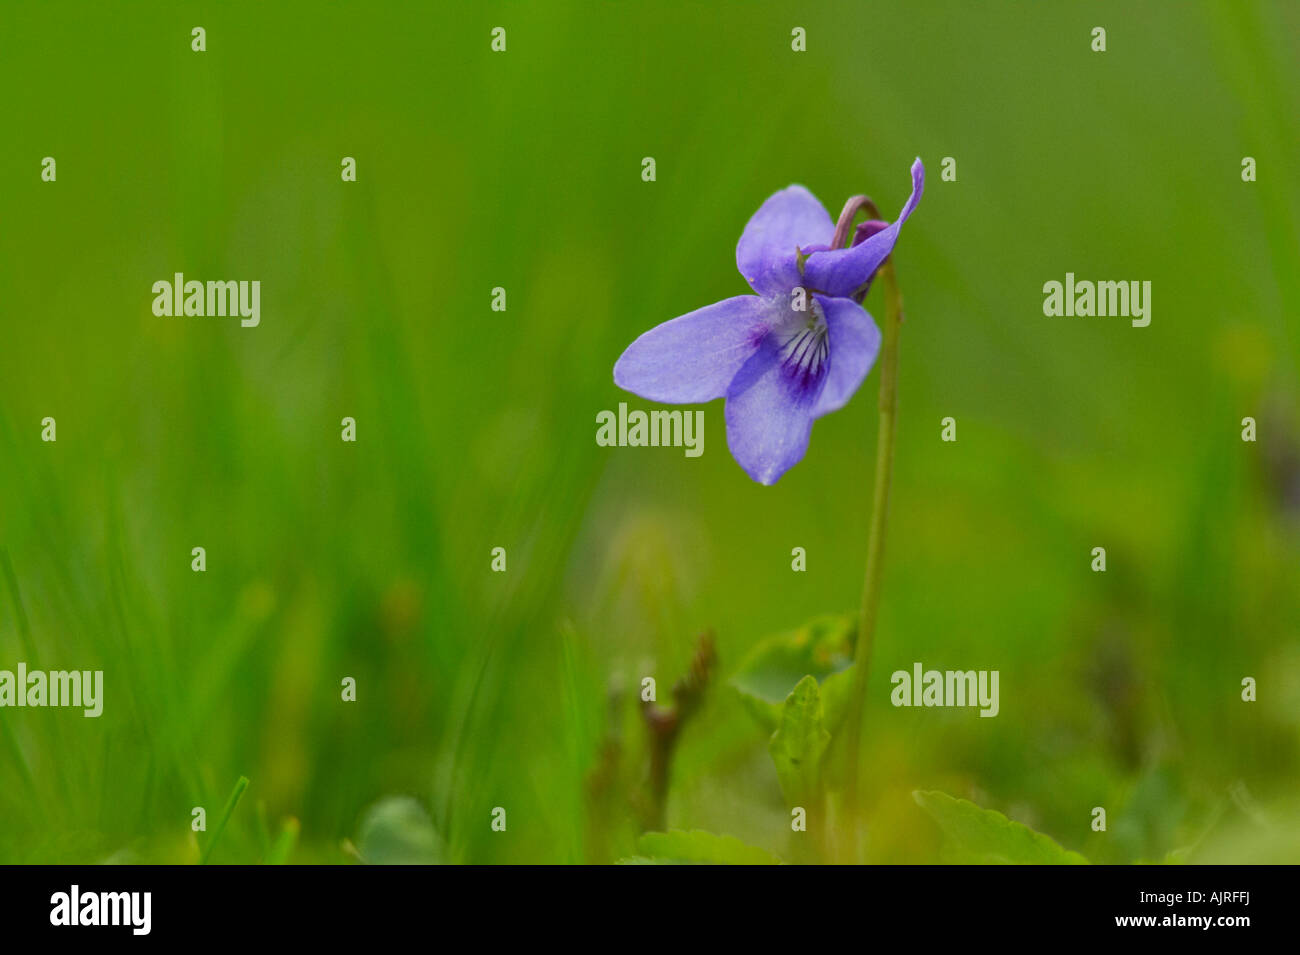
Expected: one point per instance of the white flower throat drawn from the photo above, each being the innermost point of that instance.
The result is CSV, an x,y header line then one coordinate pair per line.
x,y
804,343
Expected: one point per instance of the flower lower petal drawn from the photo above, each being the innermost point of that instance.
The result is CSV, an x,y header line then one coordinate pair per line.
x,y
769,413
841,272
693,358
854,345
767,252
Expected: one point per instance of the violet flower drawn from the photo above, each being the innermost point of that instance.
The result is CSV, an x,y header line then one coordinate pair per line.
x,y
779,368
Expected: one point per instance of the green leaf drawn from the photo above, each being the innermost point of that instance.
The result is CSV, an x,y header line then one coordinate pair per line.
x,y
982,836
696,847
397,831
821,648
799,742
235,795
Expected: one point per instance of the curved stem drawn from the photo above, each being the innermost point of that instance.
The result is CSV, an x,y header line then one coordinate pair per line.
x,y
876,540
848,214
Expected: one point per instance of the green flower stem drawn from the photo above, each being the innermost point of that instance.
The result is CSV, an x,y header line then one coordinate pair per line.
x,y
876,540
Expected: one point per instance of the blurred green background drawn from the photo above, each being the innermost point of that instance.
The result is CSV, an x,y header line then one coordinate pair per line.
x,y
476,428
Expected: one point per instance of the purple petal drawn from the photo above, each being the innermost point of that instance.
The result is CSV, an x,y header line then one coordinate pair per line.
x,y
841,272
866,230
769,413
788,221
855,342
694,357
